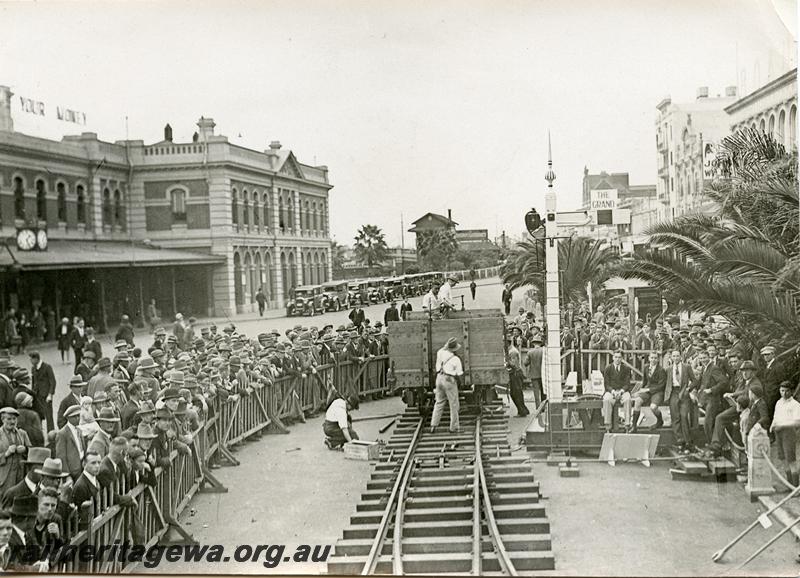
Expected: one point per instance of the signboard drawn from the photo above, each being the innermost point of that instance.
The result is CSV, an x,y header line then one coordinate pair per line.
x,y
41,116
709,156
600,199
648,300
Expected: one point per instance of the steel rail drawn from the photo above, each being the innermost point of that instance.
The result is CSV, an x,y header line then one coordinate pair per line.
x,y
506,565
476,506
397,538
383,527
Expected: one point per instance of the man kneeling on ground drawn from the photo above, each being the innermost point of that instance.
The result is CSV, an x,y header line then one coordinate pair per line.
x,y
337,427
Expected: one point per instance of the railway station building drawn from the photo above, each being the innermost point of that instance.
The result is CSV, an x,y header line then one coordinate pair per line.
x,y
198,226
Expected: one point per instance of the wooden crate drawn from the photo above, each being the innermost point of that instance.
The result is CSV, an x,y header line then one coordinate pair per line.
x,y
361,450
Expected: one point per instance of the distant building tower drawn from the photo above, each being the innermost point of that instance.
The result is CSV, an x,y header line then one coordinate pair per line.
x,y
6,122
168,133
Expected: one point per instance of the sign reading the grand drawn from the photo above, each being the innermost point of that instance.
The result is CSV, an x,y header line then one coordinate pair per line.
x,y
600,199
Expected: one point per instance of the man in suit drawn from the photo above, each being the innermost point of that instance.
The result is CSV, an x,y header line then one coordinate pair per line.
x,y
44,388
357,316
103,380
87,487
771,376
76,385
86,368
70,445
654,382
617,381
92,344
113,469
107,420
744,378
405,307
712,384
533,367
680,382
30,483
128,411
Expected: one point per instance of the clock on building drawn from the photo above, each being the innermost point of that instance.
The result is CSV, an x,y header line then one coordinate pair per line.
x,y
41,239
31,239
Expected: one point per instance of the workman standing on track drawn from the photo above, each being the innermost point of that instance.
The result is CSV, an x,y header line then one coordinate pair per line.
x,y
337,427
448,370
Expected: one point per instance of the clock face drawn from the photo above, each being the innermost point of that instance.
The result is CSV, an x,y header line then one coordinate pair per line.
x,y
26,239
41,239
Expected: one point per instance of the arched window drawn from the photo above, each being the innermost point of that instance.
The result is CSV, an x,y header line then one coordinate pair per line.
x,y
106,207
246,211
281,214
781,136
238,285
235,207
41,200
19,198
80,205
267,219
62,203
315,217
256,213
762,126
177,200
119,217
793,126
290,212
772,124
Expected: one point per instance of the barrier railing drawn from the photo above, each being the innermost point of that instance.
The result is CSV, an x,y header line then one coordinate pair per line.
x,y
152,517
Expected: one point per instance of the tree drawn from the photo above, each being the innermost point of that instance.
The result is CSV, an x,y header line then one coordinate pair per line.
x,y
370,246
412,269
581,261
743,261
337,259
437,248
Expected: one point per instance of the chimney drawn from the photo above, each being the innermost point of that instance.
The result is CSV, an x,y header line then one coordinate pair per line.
x,y
6,122
702,92
195,137
206,126
730,91
168,133
449,215
275,145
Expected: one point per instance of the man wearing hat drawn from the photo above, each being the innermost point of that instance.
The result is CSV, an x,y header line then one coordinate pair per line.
x,y
128,411
338,427
92,344
44,388
87,367
70,445
743,380
14,444
30,483
141,471
448,370
101,442
113,468
103,380
445,295
125,331
532,363
357,316
772,376
29,420
405,307
120,366
76,385
391,313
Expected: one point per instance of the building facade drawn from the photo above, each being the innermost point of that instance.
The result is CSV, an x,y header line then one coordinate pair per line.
x,y
771,108
198,226
686,135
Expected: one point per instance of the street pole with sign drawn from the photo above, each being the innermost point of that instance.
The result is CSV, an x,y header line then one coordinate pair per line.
x,y
552,303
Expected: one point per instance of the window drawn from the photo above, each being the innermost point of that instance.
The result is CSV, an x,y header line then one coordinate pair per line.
x,y
235,207
256,214
119,218
41,200
246,219
267,221
19,198
177,200
792,126
281,216
782,127
62,203
762,126
106,207
81,204
772,124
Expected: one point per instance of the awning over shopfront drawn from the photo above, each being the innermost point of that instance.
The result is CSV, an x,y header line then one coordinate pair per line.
x,y
103,254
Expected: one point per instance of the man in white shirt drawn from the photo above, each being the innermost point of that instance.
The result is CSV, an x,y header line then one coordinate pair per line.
x,y
785,422
448,369
445,292
429,301
337,426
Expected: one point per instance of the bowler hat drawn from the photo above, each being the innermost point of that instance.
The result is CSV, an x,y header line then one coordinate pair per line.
x,y
37,455
52,468
107,414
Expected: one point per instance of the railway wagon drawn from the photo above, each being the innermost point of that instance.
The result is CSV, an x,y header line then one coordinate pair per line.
x,y
416,341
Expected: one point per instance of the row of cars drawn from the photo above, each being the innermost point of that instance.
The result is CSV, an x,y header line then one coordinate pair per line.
x,y
337,295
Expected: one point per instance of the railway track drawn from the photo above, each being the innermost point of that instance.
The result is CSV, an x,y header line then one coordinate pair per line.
x,y
463,502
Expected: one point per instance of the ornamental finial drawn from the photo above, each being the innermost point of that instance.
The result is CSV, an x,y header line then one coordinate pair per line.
x,y
549,176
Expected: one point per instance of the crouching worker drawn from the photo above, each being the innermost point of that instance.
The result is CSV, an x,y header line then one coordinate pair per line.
x,y
337,427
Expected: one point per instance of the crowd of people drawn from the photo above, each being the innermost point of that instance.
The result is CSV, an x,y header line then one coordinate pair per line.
x,y
128,408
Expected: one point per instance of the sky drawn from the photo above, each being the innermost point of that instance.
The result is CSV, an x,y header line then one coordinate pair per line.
x,y
414,106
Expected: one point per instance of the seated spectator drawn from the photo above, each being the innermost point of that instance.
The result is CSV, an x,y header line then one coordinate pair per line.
x,y
651,394
617,382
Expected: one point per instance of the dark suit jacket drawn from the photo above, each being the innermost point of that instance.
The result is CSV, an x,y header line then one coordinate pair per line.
x,y
614,379
44,384
773,376
714,378
144,477
95,348
68,452
76,340
84,490
20,490
758,414
65,404
687,381
404,308
658,382
357,317
128,413
391,314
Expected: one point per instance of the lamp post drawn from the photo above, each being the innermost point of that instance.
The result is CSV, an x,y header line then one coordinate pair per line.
x,y
552,303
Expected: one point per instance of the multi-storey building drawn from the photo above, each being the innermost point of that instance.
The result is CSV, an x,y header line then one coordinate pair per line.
x,y
685,132
198,226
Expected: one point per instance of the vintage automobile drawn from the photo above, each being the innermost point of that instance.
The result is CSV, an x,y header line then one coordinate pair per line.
x,y
305,300
357,291
394,288
335,296
375,290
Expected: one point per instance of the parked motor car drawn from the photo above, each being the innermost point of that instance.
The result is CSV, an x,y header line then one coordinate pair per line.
x,y
335,296
394,288
305,300
358,293
375,290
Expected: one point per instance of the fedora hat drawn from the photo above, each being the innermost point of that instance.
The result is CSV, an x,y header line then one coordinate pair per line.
x,y
145,432
171,393
163,413
37,455
100,396
72,410
146,407
146,362
452,344
107,414
104,362
76,381
177,377
52,468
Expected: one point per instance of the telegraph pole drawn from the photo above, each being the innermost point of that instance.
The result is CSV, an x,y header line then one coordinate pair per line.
x,y
402,247
552,303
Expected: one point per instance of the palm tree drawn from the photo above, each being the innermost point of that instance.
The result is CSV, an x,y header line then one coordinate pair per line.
x,y
370,246
742,262
581,261
437,248
338,257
